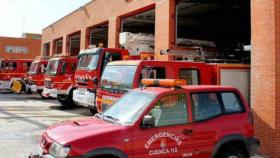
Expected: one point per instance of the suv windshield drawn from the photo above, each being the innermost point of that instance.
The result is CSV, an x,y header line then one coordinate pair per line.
x,y
118,77
88,61
33,68
52,67
126,110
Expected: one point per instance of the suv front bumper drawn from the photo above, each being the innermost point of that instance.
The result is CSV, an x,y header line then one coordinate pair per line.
x,y
39,156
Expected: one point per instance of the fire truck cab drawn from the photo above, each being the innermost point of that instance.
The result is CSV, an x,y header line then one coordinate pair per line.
x,y
13,70
59,79
34,82
165,119
120,77
90,67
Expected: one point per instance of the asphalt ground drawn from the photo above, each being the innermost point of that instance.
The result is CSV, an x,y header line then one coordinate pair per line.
x,y
23,119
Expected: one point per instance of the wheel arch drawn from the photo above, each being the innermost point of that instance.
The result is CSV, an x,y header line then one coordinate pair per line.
x,y
69,89
227,139
106,151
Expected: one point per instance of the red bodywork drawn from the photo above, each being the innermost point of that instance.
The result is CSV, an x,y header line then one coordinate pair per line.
x,y
83,78
208,74
89,70
35,77
91,135
13,69
60,82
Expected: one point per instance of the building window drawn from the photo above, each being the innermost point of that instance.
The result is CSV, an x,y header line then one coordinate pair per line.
x,y
46,49
98,36
74,44
58,46
16,49
9,49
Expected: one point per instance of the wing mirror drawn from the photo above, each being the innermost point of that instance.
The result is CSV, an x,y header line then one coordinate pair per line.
x,y
95,80
148,121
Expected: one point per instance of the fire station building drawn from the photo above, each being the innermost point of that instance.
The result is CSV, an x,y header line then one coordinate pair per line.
x,y
231,24
26,47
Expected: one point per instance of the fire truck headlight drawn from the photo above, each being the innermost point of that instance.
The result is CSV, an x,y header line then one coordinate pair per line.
x,y
59,151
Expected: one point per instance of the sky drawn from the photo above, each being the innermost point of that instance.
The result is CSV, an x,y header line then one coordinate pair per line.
x,y
18,16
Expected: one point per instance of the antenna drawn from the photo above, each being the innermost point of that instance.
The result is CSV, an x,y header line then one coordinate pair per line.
x,y
23,22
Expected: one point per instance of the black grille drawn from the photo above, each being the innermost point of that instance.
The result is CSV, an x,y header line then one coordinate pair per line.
x,y
82,81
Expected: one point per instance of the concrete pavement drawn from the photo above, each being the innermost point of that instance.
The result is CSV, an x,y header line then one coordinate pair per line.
x,y
23,118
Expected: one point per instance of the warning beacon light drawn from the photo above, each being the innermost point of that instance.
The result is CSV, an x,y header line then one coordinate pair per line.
x,y
164,82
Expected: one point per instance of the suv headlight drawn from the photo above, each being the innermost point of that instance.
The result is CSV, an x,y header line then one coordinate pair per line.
x,y
59,151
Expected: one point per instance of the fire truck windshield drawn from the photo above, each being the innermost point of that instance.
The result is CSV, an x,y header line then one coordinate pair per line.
x,y
126,110
1,64
88,61
52,67
33,68
118,77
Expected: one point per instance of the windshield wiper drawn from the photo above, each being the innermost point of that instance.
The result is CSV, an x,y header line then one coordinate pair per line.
x,y
115,120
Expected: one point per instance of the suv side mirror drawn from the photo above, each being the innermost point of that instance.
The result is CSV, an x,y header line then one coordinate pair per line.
x,y
148,121
95,80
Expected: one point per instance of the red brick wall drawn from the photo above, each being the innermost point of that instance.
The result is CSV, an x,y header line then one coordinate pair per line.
x,y
265,74
164,26
34,47
96,12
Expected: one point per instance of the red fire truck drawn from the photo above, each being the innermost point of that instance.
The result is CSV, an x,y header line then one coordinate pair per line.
x,y
89,70
59,79
121,76
165,119
12,70
34,82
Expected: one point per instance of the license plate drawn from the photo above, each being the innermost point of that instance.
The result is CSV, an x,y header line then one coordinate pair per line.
x,y
82,91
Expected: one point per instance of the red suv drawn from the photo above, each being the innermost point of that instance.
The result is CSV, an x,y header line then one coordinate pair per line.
x,y
164,121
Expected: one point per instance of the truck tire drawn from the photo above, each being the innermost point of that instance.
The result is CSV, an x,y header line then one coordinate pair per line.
x,y
232,151
66,100
40,92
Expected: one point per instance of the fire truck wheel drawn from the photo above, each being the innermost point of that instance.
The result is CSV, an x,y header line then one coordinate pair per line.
x,y
27,90
64,101
42,97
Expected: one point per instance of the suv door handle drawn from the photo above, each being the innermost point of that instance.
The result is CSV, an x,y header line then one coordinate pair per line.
x,y
187,131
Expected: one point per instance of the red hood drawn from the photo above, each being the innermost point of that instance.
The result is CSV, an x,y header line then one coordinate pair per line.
x,y
70,131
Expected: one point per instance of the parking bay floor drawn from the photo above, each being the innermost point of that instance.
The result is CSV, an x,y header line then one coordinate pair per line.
x,y
23,118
